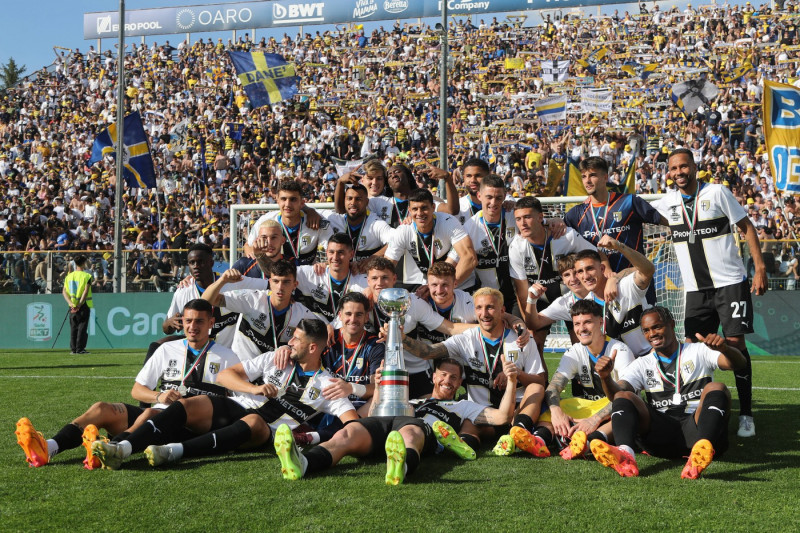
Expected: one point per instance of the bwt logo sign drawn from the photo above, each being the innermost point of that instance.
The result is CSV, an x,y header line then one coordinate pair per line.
x,y
291,13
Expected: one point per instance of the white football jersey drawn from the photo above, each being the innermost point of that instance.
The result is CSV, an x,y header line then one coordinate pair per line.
x,y
577,364
317,290
304,246
368,238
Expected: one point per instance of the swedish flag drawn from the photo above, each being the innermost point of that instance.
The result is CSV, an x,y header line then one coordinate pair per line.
x,y
266,78
137,163
591,61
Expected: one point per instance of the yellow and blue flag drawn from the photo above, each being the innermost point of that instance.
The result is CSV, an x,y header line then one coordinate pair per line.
x,y
573,184
635,69
552,108
591,61
737,73
137,163
266,78
628,185
782,130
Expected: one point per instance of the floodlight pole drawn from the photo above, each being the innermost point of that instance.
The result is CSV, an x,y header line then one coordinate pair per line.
x,y
119,151
443,102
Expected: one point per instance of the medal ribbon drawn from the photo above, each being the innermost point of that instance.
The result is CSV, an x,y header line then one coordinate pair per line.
x,y
691,221
272,323
330,288
501,234
484,342
352,361
677,383
295,249
207,347
600,229
429,253
540,264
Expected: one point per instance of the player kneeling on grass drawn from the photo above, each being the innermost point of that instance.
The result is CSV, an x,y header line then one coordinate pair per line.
x,y
406,439
186,368
585,416
686,413
288,395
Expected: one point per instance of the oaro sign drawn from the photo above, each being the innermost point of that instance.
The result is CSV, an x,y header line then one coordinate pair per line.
x,y
250,15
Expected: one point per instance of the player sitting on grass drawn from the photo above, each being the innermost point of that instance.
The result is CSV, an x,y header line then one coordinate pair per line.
x,y
406,438
588,412
186,367
288,395
686,413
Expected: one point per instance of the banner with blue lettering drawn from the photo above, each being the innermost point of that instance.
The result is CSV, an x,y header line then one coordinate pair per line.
x,y
782,131
266,78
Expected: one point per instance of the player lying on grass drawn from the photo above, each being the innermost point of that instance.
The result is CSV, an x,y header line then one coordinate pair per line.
x,y
588,412
406,439
186,368
686,413
288,395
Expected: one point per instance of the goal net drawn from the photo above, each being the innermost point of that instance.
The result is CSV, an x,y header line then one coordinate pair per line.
x,y
657,246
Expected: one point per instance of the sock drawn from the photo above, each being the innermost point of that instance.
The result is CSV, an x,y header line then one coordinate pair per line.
x,y
316,459
315,438
624,421
626,448
163,428
545,434
412,460
471,441
127,449
52,448
122,436
524,421
597,434
744,386
217,442
177,449
68,437
713,422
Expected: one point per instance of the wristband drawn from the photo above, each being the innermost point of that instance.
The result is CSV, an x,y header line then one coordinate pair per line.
x,y
532,301
359,389
157,395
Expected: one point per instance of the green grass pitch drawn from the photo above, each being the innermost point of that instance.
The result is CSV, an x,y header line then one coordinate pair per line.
x,y
754,487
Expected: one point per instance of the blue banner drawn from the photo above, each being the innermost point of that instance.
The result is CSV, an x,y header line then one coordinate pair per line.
x,y
137,162
283,13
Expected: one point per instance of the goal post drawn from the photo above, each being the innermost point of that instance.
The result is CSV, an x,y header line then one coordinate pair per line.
x,y
657,247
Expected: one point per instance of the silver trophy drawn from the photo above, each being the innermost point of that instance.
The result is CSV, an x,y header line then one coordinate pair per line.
x,y
393,394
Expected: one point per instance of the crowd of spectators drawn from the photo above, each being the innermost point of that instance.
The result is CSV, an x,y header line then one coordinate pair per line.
x,y
376,95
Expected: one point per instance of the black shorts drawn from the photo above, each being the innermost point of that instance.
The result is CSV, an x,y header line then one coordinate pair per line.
x,y
672,437
730,306
134,412
226,412
379,428
420,384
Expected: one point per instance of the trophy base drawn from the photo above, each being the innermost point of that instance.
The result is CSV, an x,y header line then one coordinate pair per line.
x,y
393,395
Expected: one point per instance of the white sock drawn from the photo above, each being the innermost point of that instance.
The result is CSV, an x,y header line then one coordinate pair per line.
x,y
177,450
626,448
126,447
314,437
304,462
52,448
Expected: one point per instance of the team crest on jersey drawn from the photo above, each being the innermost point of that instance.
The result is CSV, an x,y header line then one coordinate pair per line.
x,y
213,368
362,241
313,393
437,244
513,356
359,363
510,232
617,216
705,204
305,240
687,368
674,215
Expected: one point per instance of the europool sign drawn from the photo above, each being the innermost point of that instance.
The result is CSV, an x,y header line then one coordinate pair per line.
x,y
251,15
131,320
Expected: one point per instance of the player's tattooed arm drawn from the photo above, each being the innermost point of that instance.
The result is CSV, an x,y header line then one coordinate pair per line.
x,y
424,350
552,395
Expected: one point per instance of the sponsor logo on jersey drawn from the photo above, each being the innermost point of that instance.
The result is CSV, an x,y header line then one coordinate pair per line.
x,y
172,363
319,293
275,380
674,215
474,362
